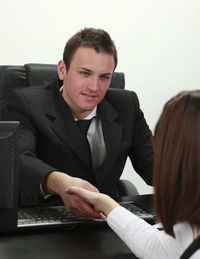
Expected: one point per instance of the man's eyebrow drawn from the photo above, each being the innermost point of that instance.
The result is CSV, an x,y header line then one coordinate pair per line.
x,y
89,70
106,74
84,68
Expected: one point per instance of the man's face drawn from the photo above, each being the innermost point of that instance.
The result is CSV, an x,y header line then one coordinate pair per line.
x,y
86,81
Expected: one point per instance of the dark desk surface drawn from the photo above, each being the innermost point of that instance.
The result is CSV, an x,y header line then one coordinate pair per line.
x,y
94,241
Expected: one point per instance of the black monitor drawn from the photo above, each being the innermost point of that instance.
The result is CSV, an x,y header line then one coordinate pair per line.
x,y
9,178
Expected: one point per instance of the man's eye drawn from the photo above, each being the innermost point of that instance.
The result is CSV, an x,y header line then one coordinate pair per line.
x,y
105,77
84,73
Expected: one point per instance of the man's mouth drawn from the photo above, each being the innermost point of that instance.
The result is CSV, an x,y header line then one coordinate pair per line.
x,y
89,97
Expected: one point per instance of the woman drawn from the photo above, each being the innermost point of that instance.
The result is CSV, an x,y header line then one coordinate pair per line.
x,y
176,178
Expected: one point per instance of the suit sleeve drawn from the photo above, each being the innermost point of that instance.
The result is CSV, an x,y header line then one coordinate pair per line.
x,y
32,169
141,154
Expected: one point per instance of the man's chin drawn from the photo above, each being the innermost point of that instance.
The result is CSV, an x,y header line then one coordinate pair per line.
x,y
89,107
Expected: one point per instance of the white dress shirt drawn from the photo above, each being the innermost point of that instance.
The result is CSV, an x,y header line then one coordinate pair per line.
x,y
146,241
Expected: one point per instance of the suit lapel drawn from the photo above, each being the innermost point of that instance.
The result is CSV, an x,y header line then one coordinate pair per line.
x,y
112,133
63,124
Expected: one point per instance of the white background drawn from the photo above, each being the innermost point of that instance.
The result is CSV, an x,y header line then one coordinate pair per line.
x,y
158,43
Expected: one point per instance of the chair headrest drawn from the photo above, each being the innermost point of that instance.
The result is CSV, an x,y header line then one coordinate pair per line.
x,y
38,74
11,78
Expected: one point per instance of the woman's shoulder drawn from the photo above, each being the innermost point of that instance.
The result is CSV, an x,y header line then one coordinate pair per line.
x,y
185,235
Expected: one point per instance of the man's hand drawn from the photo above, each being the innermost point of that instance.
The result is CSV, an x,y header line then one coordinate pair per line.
x,y
101,202
58,182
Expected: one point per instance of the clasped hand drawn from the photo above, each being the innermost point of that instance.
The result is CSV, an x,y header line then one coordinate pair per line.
x,y
80,197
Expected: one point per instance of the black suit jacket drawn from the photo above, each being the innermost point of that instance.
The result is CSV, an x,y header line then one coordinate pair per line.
x,y
50,139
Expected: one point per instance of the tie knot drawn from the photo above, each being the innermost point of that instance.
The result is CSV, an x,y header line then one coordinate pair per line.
x,y
83,125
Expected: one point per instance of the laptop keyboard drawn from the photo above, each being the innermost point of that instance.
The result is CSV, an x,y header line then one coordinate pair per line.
x,y
59,216
132,207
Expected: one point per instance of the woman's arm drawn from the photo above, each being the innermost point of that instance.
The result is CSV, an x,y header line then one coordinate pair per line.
x,y
143,239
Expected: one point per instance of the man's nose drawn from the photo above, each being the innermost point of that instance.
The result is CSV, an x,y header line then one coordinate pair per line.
x,y
93,84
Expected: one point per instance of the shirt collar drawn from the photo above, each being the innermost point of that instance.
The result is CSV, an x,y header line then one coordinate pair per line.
x,y
92,114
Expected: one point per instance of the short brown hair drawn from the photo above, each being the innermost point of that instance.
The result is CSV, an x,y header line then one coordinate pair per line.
x,y
97,39
177,161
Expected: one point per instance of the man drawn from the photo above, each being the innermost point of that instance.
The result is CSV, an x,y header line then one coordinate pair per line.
x,y
54,153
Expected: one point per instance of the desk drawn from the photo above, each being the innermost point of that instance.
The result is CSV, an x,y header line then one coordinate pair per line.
x,y
91,242
87,242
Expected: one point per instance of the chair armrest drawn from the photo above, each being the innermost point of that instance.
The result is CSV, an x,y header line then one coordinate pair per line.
x,y
126,188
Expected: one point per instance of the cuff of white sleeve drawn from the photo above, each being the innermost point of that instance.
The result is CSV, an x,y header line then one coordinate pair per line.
x,y
43,194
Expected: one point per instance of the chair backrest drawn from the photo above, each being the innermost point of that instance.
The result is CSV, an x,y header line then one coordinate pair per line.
x,y
16,77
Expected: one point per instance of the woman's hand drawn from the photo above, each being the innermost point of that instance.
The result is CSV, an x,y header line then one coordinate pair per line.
x,y
99,201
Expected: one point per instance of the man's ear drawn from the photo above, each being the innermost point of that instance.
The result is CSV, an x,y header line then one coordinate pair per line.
x,y
61,69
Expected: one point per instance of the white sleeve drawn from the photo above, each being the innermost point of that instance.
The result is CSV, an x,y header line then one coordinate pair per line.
x,y
143,239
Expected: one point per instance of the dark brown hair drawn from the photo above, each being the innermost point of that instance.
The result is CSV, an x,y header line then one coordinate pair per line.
x,y
177,161
97,39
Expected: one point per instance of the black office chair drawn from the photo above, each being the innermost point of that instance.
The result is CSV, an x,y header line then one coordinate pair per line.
x,y
16,77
